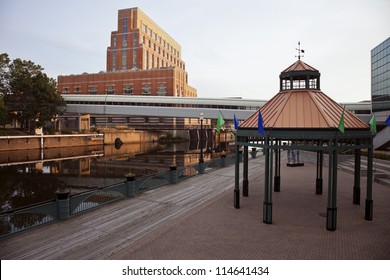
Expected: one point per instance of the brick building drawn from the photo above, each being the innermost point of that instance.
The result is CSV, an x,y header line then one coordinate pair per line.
x,y
142,59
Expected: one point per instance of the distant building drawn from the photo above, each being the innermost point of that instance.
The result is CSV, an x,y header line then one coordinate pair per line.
x,y
142,59
380,80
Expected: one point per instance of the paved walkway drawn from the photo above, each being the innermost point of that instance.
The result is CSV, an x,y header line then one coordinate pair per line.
x,y
195,219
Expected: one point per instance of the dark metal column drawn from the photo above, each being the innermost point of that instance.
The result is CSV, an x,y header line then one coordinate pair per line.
x,y
245,182
369,202
356,185
319,180
267,206
331,218
237,179
277,168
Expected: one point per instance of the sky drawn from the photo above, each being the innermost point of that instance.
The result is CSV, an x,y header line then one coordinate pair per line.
x,y
231,48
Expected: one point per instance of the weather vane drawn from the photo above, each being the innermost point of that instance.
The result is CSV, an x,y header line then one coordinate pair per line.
x,y
300,52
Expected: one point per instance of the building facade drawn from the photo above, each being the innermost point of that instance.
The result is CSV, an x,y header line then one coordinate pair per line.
x,y
142,59
380,79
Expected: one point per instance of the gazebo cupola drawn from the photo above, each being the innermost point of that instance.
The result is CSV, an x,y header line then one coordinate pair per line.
x,y
300,76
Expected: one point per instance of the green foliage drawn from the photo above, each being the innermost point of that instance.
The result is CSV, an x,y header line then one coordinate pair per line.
x,y
28,92
3,112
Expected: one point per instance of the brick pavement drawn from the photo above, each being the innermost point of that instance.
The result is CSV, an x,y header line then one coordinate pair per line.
x,y
216,230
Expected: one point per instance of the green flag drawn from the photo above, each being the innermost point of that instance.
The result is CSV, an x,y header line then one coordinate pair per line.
x,y
372,123
341,122
220,123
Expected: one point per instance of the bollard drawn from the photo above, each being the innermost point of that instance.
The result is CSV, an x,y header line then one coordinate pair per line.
x,y
130,184
63,208
173,174
254,153
223,159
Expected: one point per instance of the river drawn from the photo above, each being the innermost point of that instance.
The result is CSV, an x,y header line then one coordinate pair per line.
x,y
32,176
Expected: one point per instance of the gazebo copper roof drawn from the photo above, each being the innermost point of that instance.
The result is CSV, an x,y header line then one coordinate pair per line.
x,y
299,65
303,109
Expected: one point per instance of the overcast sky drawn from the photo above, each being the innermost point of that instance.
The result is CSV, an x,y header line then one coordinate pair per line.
x,y
231,48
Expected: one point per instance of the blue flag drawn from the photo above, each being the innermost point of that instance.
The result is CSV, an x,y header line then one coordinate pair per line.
x,y
235,122
260,125
388,121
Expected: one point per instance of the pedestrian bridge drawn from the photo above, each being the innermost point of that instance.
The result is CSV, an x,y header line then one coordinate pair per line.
x,y
161,106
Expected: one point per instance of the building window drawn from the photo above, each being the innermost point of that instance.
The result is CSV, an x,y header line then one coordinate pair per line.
x,y
110,89
92,89
114,60
298,84
146,89
125,24
128,89
124,59
286,84
144,27
145,66
313,83
65,90
77,90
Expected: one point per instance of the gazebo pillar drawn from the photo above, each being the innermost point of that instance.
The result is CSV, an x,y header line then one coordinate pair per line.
x,y
331,217
319,180
267,205
245,182
237,179
356,185
369,201
277,168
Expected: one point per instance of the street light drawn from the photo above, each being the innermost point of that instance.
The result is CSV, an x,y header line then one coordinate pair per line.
x,y
201,118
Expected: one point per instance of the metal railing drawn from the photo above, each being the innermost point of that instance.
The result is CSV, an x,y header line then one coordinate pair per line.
x,y
67,205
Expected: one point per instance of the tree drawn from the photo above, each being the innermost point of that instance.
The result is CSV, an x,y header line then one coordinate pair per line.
x,y
29,92
3,112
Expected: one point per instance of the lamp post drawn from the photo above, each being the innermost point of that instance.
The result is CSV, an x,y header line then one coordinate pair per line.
x,y
201,118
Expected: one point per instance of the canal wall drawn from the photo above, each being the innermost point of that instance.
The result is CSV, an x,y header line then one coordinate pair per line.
x,y
28,142
126,136
108,137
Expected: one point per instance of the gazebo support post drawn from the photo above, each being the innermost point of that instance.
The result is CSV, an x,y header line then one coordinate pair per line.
x,y
277,168
237,179
356,185
369,201
245,182
331,218
319,180
267,206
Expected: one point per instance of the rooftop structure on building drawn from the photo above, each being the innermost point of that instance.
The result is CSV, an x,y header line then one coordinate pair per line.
x,y
142,59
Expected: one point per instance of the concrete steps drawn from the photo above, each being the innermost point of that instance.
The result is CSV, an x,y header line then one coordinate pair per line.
x,y
381,168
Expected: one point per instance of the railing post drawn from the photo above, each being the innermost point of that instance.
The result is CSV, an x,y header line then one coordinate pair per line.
x,y
130,184
173,174
63,208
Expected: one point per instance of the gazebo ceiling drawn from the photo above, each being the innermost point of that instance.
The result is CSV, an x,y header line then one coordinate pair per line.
x,y
303,109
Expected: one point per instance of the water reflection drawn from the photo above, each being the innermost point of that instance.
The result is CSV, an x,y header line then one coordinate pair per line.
x,y
28,177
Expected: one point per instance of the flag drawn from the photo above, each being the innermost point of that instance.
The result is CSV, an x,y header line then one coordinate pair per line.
x,y
341,126
220,123
388,121
235,122
372,123
260,124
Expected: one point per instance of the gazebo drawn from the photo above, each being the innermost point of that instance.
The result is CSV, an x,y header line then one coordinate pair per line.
x,y
302,117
